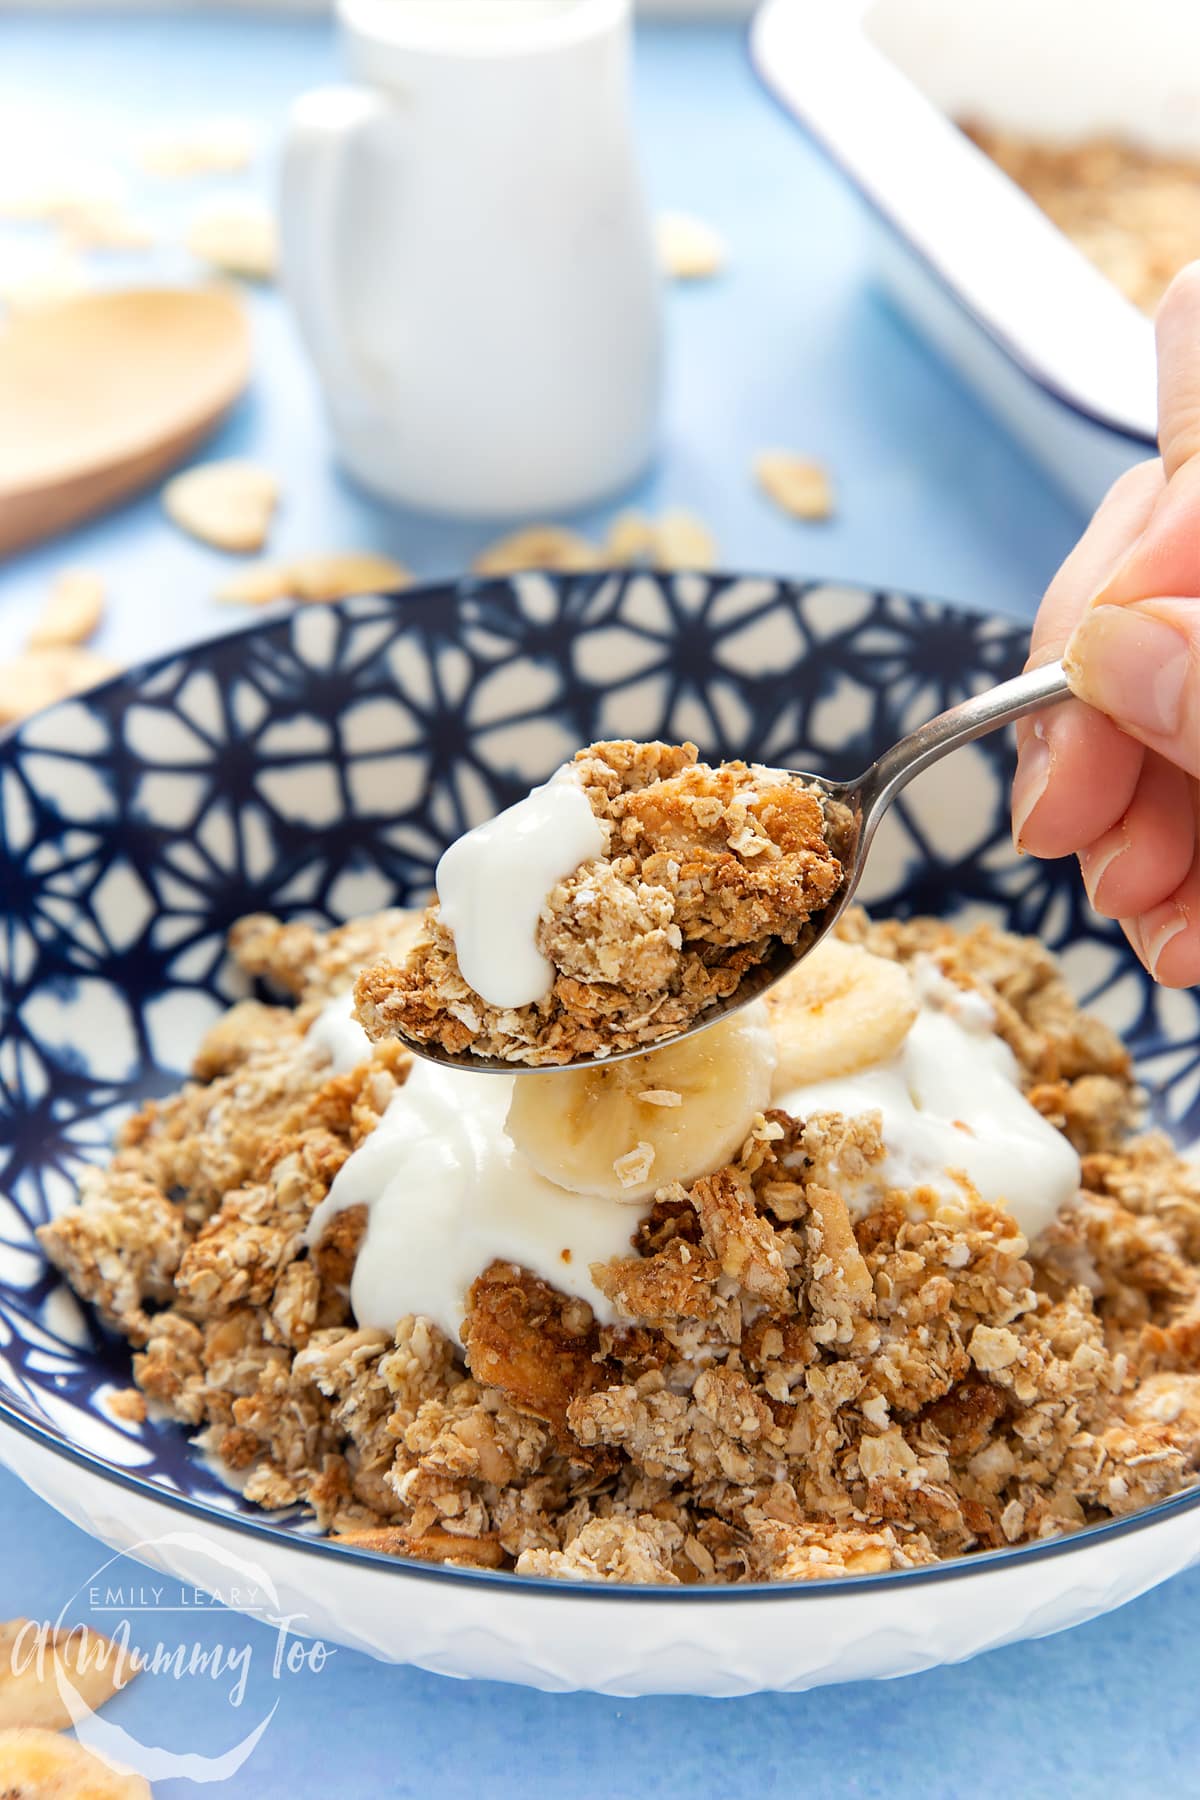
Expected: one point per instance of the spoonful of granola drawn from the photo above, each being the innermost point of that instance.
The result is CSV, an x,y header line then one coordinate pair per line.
x,y
640,895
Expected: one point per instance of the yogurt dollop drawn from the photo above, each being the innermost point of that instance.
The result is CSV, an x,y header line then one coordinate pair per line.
x,y
447,1193
950,1099
492,884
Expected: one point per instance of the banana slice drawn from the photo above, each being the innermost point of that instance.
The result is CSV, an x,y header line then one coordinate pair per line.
x,y
625,1129
43,1765
839,1010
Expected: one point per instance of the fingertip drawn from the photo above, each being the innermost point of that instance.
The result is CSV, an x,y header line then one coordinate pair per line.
x,y
1076,776
1172,952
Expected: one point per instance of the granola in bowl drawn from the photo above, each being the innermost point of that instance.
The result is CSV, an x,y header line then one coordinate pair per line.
x,y
822,1354
1133,212
665,881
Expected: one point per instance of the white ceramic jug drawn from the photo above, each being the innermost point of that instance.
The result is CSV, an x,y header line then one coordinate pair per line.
x,y
469,256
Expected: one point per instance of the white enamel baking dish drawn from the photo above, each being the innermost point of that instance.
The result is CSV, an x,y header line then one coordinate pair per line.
x,y
1064,360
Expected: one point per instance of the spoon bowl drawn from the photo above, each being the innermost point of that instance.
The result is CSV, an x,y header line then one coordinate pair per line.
x,y
854,809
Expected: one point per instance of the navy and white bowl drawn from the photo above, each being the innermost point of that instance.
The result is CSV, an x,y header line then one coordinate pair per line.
x,y
316,765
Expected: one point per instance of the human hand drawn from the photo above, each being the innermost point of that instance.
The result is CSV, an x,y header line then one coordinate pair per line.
x,y
1114,775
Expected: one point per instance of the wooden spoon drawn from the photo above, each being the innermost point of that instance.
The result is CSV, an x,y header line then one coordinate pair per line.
x,y
101,393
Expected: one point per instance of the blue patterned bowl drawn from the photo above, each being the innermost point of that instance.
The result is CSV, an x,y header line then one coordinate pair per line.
x,y
315,766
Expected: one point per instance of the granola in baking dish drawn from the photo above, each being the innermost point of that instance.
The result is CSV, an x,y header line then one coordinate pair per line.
x,y
697,873
778,1380
1135,213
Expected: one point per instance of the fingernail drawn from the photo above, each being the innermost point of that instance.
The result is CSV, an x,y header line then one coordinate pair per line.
x,y
1099,860
1130,665
1030,781
1155,938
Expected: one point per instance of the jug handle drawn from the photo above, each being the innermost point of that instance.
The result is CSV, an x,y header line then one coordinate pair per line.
x,y
324,128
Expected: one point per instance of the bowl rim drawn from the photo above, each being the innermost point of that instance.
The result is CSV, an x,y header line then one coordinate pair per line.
x,y
261,1524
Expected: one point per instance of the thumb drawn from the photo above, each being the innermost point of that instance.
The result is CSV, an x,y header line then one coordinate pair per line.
x,y
1140,664
1165,558
1134,656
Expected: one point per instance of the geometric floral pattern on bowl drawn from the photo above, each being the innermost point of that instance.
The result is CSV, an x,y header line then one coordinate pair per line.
x,y
316,766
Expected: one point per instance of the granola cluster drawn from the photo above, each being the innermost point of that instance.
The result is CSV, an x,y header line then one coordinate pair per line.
x,y
1134,213
788,1394
705,870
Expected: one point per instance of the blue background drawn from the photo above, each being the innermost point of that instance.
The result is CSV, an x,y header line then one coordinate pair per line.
x,y
792,347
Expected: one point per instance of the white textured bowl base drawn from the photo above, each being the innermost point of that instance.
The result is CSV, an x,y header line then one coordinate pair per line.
x,y
630,1643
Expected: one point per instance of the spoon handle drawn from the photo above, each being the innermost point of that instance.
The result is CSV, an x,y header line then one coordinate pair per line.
x,y
960,725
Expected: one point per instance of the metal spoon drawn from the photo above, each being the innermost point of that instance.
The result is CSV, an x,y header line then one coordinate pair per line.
x,y
865,799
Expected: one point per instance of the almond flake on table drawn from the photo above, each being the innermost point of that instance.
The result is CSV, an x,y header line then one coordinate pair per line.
x,y
226,504
43,1765
236,234
796,483
336,577
689,249
538,547
314,578
32,1657
38,678
72,611
630,539
257,584
212,147
682,541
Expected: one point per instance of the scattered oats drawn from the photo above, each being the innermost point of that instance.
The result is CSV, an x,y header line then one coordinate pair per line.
x,y
31,1659
213,147
795,483
630,539
660,1097
993,1347
688,248
72,612
537,547
337,576
634,1167
876,1412
44,1765
227,504
682,541
235,233
128,1404
38,678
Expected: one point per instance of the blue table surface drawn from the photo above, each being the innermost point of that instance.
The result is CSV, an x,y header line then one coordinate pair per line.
x,y
790,347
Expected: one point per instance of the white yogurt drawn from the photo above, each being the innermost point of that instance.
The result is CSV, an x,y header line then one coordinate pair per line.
x,y
448,1193
493,882
336,1031
951,1100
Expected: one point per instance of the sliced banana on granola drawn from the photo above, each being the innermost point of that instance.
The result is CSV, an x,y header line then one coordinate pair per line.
x,y
624,1129
840,1009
